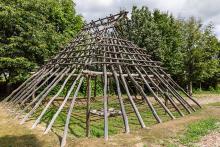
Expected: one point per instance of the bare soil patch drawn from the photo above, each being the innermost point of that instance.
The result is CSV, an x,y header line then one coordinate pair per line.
x,y
210,140
207,98
15,135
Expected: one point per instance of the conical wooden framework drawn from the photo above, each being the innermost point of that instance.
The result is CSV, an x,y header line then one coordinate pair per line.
x,y
99,52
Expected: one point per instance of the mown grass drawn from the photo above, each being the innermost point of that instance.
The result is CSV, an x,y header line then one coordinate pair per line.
x,y
198,129
215,104
77,125
211,90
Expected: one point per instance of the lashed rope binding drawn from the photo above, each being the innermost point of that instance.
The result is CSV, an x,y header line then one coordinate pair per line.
x,y
99,51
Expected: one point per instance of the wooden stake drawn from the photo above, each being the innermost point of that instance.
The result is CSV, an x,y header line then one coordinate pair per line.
x,y
88,91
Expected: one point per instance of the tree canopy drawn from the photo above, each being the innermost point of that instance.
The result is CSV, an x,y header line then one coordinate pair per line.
x,y
187,48
31,31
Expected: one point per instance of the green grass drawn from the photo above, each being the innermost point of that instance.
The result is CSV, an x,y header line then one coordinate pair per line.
x,y
214,104
77,125
197,130
211,90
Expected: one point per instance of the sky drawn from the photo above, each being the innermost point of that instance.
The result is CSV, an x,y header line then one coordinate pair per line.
x,y
206,10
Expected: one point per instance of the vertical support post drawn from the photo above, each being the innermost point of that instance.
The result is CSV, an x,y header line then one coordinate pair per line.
x,y
95,84
105,104
88,91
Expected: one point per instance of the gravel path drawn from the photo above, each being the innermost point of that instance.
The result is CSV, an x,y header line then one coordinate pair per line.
x,y
211,99
210,140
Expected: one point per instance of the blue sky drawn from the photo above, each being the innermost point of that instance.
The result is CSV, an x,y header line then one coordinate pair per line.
x,y
207,10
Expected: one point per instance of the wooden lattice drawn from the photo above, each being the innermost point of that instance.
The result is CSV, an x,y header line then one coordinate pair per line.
x,y
99,51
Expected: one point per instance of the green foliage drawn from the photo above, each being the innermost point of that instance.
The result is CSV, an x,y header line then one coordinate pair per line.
x,y
200,51
99,87
170,43
34,30
15,68
210,90
143,30
188,49
198,129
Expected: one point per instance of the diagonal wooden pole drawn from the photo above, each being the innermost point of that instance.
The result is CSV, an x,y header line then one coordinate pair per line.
x,y
22,85
124,83
63,142
62,105
42,98
151,90
52,99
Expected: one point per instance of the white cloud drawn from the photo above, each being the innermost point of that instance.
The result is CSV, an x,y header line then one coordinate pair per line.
x,y
207,10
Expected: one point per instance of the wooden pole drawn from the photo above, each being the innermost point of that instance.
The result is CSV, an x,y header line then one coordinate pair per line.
x,y
62,105
88,91
145,97
21,86
124,83
63,142
95,86
105,104
155,96
27,87
52,85
174,93
23,97
52,99
124,115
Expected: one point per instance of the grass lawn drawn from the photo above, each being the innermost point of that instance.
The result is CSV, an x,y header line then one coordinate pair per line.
x,y
169,133
199,129
77,123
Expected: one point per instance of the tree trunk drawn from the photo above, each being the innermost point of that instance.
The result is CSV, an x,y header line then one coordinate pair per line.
x,y
190,88
187,88
200,86
8,88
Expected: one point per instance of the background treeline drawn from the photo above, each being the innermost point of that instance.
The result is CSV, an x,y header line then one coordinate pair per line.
x,y
188,49
31,31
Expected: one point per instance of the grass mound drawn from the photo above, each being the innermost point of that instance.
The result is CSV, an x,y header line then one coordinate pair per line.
x,y
198,129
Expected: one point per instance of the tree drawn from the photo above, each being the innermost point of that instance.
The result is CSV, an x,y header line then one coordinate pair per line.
x,y
31,31
200,52
142,30
186,48
160,34
170,46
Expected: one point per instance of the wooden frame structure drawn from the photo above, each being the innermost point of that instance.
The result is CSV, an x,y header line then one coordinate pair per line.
x,y
99,51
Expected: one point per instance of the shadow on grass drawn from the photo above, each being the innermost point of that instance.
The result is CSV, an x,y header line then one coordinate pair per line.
x,y
17,141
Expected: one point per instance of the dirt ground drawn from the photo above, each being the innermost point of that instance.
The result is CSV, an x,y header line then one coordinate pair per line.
x,y
13,134
210,140
207,98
